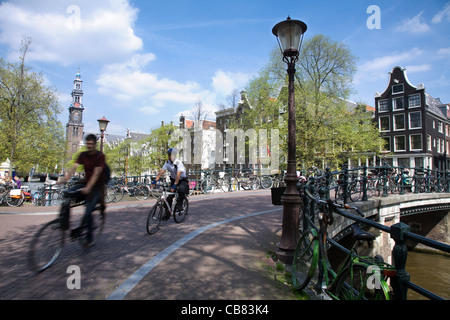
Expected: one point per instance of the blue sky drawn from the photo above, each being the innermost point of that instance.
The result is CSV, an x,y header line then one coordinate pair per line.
x,y
143,62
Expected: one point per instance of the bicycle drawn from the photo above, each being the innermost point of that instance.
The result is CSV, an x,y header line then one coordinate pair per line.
x,y
354,190
162,211
12,197
358,278
46,196
211,182
49,240
137,190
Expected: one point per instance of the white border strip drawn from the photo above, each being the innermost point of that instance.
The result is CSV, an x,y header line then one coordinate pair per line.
x,y
133,280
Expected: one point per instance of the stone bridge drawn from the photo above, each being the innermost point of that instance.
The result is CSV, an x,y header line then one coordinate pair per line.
x,y
425,213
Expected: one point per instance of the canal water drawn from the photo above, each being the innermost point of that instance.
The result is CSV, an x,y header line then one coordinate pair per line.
x,y
431,272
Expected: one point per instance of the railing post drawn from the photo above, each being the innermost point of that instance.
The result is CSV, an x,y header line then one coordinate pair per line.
x,y
399,256
385,189
327,182
447,182
364,198
402,181
345,184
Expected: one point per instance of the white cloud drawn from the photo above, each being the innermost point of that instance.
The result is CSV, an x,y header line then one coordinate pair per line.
x,y
98,30
414,25
418,68
223,83
443,14
378,68
444,52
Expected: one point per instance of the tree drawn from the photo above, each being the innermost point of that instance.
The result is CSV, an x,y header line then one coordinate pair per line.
x,y
199,112
327,129
29,129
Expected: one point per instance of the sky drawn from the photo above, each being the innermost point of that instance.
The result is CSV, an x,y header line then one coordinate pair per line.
x,y
143,62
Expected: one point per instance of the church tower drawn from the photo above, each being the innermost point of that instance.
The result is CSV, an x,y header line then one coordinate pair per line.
x,y
75,126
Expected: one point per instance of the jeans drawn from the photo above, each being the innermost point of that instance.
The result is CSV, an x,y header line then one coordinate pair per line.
x,y
183,189
91,200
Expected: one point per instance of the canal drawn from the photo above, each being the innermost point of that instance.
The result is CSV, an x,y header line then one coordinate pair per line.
x,y
431,272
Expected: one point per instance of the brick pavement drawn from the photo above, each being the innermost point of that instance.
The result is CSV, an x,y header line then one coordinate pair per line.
x,y
229,261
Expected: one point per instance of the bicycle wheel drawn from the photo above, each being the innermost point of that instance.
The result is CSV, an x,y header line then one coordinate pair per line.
x,y
110,194
119,194
352,284
14,201
355,191
306,258
98,223
141,192
46,246
179,216
154,218
266,182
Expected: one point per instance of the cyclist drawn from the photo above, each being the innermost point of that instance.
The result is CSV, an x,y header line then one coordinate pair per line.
x,y
91,187
178,178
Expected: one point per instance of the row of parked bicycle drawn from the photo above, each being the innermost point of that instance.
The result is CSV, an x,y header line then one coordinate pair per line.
x,y
50,194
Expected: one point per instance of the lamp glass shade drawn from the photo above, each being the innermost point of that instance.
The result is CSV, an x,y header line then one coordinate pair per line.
x,y
289,33
103,123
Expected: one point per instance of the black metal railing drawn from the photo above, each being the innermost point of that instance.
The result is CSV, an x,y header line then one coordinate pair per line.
x,y
399,232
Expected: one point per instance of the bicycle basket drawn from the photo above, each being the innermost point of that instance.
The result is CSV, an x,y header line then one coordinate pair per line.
x,y
15,193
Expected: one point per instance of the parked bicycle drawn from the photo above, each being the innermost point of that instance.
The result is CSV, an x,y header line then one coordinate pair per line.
x,y
49,240
116,191
162,211
11,196
47,195
358,278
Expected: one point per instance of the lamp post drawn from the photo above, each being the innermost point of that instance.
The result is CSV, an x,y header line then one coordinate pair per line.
x,y
289,35
102,124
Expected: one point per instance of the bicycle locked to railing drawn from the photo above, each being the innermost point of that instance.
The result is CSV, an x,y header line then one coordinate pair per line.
x,y
165,207
358,277
48,242
311,253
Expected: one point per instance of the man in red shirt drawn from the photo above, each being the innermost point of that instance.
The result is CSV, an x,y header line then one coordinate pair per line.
x,y
91,187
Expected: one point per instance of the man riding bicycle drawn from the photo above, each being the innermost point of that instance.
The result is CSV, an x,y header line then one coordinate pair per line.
x,y
178,178
91,188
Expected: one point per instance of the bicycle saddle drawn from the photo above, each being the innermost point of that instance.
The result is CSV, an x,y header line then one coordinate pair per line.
x,y
359,234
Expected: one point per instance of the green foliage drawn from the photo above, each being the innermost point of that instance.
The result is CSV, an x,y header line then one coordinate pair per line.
x,y
29,129
327,129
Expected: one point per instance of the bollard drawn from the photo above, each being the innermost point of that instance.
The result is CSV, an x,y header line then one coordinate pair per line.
x,y
399,256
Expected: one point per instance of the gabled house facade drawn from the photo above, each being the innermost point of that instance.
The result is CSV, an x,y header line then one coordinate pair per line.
x,y
414,124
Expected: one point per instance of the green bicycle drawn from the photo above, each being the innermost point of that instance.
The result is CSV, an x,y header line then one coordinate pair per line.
x,y
358,278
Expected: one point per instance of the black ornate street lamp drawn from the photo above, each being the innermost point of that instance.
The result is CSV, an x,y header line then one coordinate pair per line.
x,y
289,35
102,124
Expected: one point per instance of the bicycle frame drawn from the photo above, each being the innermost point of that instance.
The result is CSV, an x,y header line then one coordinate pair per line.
x,y
327,278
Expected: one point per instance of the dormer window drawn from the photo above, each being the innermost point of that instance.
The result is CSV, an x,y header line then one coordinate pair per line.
x,y
397,88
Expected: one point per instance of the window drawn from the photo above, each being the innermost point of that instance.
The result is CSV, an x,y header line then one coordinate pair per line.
x,y
399,122
403,162
442,145
415,120
418,162
399,143
429,141
440,128
383,106
397,88
414,100
415,142
384,124
397,104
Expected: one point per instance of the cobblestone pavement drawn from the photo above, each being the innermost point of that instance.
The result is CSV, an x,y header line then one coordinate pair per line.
x,y
230,260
